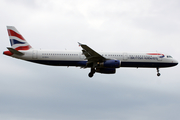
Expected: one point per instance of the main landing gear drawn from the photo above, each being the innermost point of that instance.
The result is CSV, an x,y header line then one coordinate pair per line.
x,y
158,74
92,72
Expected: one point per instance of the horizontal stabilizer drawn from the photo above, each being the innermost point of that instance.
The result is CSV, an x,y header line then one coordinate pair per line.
x,y
15,51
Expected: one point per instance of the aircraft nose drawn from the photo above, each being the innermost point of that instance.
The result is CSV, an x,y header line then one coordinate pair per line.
x,y
175,62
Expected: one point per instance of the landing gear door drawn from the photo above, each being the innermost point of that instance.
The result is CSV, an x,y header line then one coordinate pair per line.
x,y
35,54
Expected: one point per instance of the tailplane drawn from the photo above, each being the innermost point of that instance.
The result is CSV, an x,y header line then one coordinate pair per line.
x,y
17,40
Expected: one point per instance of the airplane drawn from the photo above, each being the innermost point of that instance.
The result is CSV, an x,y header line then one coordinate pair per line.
x,y
100,62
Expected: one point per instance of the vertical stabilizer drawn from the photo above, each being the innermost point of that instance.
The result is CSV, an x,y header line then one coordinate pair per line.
x,y
17,40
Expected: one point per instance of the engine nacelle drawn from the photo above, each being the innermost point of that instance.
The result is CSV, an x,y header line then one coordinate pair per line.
x,y
106,70
110,64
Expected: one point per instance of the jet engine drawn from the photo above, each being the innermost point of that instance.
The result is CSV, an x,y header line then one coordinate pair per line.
x,y
110,64
106,70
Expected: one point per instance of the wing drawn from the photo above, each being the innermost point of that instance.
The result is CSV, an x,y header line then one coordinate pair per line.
x,y
92,56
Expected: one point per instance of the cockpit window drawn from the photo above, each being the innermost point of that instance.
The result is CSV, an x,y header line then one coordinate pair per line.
x,y
168,56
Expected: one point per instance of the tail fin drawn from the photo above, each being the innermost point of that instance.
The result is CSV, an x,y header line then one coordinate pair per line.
x,y
16,39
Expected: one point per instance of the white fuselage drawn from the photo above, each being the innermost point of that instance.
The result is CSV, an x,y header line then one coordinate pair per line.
x,y
76,58
102,62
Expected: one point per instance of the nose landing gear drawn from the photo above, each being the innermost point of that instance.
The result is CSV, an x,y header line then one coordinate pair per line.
x,y
158,74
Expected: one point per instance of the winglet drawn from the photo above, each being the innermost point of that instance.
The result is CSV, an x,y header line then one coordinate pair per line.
x,y
79,43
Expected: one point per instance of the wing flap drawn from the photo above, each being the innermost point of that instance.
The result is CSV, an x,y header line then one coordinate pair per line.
x,y
90,54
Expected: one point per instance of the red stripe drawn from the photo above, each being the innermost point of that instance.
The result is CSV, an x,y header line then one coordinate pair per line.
x,y
13,33
7,53
154,54
23,47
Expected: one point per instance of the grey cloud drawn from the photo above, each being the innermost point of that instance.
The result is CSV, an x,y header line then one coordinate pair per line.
x,y
78,99
36,92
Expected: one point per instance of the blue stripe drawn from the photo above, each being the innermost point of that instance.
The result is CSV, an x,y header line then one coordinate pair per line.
x,y
147,64
123,64
14,41
11,42
60,63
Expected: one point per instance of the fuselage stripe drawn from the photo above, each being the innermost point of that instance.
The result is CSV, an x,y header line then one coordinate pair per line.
x,y
123,63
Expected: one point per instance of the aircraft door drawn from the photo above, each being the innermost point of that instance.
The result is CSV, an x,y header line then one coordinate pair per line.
x,y
159,58
125,56
35,54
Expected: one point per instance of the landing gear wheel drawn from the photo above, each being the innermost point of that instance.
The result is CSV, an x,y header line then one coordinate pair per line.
x,y
158,74
90,74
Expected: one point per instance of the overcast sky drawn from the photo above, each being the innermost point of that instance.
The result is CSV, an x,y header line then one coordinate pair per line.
x,y
30,91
